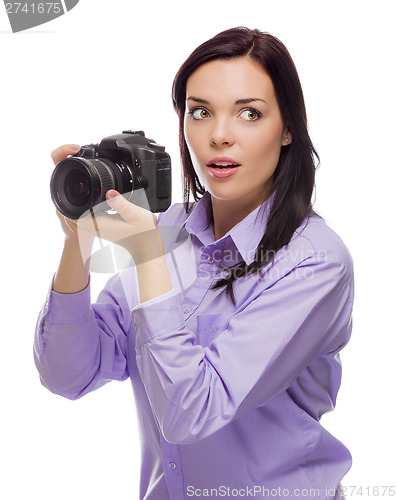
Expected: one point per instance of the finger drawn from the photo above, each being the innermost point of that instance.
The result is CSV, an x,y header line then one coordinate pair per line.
x,y
123,207
140,218
112,197
61,217
63,151
129,212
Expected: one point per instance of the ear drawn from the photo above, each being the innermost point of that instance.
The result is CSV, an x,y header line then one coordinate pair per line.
x,y
287,138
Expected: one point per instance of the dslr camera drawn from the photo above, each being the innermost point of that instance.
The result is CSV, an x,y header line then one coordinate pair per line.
x,y
125,162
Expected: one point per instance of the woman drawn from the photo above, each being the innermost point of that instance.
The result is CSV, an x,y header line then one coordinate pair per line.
x,y
232,339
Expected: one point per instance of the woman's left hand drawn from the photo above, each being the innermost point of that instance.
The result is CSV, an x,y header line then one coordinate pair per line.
x,y
133,227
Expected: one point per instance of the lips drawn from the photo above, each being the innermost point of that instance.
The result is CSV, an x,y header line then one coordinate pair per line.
x,y
223,162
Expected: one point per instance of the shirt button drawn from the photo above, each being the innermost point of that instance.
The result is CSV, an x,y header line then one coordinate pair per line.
x,y
172,465
210,260
186,310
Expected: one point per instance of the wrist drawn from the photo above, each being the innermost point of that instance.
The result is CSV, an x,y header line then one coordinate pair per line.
x,y
72,275
145,246
82,241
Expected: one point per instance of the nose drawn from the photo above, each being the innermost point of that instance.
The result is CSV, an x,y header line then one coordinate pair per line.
x,y
221,134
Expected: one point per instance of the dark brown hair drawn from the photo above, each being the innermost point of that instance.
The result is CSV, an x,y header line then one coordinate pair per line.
x,y
293,180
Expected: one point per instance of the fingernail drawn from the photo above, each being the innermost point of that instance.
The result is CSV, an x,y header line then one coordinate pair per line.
x,y
74,147
111,196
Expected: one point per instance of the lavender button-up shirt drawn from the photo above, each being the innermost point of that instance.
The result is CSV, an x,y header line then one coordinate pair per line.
x,y
229,397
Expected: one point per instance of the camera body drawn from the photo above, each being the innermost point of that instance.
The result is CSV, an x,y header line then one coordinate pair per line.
x,y
125,162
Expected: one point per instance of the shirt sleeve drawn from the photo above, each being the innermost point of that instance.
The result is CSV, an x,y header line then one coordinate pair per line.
x,y
196,390
79,347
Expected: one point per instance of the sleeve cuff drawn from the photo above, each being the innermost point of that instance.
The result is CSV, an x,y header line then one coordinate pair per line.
x,y
68,308
156,300
158,316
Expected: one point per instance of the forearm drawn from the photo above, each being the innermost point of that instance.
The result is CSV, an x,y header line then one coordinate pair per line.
x,y
152,272
153,279
72,275
80,346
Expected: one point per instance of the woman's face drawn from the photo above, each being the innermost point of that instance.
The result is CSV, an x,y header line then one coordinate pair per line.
x,y
233,129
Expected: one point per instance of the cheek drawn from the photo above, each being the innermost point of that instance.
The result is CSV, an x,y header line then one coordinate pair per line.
x,y
265,141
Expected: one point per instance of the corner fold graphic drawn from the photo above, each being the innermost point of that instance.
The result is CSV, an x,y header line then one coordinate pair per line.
x,y
69,4
26,15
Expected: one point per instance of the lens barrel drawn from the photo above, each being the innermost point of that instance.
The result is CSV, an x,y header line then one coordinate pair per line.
x,y
78,184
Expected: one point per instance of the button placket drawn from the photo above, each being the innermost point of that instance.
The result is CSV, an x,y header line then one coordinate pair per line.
x,y
172,468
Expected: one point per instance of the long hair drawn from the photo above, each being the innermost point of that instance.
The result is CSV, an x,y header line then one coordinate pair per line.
x,y
294,177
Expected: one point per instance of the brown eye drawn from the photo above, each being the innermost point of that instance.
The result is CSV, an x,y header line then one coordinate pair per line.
x,y
250,115
199,113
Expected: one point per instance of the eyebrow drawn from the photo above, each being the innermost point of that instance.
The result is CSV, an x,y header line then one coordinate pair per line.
x,y
247,100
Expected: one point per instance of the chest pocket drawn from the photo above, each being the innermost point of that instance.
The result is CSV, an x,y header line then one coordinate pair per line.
x,y
209,326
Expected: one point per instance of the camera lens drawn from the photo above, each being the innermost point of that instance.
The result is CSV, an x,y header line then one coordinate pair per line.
x,y
78,184
77,187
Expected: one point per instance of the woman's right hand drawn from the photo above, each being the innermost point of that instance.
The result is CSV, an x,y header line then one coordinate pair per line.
x,y
72,275
69,226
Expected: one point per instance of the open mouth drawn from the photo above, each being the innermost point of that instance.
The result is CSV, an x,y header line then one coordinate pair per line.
x,y
222,169
223,165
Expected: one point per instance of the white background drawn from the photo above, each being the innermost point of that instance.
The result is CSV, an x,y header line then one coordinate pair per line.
x,y
108,66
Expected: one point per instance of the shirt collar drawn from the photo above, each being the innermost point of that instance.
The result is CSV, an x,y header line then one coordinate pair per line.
x,y
245,235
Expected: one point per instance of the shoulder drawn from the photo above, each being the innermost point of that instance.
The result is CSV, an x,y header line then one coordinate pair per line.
x,y
322,241
314,250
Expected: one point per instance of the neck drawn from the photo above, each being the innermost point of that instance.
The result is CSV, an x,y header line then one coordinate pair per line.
x,y
226,214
